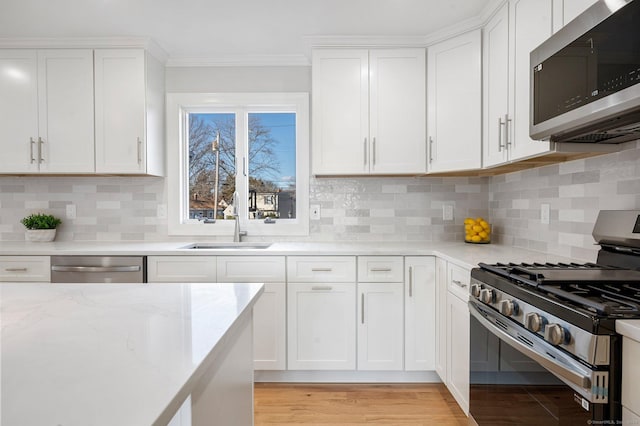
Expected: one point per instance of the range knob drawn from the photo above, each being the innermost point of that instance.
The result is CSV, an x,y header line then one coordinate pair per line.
x,y
556,334
509,307
534,322
475,290
487,296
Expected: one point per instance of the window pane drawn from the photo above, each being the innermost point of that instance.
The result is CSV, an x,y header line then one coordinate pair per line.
x,y
272,165
211,163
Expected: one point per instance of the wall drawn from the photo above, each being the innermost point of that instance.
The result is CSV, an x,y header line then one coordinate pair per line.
x,y
576,191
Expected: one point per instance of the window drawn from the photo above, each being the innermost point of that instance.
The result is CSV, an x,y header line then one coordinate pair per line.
x,y
244,154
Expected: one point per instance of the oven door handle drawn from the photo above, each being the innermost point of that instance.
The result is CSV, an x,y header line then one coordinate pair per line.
x,y
562,371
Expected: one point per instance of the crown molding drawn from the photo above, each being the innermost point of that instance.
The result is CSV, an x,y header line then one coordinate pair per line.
x,y
86,43
242,61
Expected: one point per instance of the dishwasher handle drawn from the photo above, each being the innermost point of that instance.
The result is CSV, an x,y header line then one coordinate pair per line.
x,y
58,268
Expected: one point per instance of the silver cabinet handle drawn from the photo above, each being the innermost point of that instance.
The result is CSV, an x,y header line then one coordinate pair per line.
x,y
373,151
244,166
507,129
57,268
321,269
430,150
40,142
362,310
365,151
380,269
459,283
16,269
500,143
410,281
321,288
31,142
139,150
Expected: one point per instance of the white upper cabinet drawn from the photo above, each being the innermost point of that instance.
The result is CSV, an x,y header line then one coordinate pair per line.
x,y
516,29
129,91
454,107
368,111
570,9
46,105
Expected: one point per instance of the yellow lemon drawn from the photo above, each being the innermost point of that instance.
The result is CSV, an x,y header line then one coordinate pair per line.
x,y
476,238
484,224
477,228
483,235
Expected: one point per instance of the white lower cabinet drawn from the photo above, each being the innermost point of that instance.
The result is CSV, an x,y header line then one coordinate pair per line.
x,y
630,384
321,312
269,312
25,269
420,313
321,327
441,319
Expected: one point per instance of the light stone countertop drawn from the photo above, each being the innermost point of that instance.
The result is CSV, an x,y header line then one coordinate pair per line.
x,y
460,253
95,354
629,328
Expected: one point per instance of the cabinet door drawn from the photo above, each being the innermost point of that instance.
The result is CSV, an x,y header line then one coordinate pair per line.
x,y
454,115
65,86
380,326
172,269
18,110
321,328
397,91
420,313
441,319
340,109
572,8
496,83
458,350
269,328
531,24
120,110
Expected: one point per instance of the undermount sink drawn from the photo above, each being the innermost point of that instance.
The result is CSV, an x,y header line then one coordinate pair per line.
x,y
227,246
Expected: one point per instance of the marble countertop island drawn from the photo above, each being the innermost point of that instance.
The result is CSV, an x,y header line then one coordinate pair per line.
x,y
111,354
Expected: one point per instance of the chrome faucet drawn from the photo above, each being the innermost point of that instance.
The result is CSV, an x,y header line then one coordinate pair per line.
x,y
237,233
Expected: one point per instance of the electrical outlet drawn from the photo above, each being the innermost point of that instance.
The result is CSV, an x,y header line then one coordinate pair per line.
x,y
544,214
71,211
447,212
162,211
315,211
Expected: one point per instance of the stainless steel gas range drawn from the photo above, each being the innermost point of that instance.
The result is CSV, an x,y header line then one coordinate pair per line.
x,y
544,350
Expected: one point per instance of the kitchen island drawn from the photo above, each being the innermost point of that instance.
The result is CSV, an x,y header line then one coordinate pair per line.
x,y
126,354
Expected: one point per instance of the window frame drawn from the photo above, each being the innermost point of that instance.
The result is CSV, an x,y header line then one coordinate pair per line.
x,y
179,105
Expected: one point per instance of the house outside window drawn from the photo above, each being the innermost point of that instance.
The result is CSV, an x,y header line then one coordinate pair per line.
x,y
244,154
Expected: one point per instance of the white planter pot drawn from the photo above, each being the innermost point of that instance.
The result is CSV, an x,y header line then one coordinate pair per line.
x,y
40,235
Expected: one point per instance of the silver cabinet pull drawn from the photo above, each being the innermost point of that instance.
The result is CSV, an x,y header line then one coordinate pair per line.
x,y
40,142
410,281
244,166
31,142
380,269
373,151
507,129
430,150
321,288
139,150
57,268
321,269
362,310
459,283
500,143
16,269
365,151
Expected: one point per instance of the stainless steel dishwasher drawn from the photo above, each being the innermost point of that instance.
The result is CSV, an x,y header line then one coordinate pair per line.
x,y
98,269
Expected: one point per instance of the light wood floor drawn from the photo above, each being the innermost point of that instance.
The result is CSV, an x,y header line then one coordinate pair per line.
x,y
355,404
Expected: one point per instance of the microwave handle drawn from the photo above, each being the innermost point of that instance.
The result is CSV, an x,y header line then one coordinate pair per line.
x,y
562,371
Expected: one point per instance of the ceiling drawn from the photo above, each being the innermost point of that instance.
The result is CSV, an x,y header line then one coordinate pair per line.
x,y
234,30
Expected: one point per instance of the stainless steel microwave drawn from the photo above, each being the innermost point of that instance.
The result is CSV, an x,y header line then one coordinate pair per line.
x,y
584,78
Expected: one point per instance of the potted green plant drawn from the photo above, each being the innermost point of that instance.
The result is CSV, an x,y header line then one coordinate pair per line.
x,y
40,227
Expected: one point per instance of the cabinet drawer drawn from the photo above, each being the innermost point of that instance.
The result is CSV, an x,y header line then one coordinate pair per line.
x,y
25,268
308,269
251,269
380,269
181,269
458,280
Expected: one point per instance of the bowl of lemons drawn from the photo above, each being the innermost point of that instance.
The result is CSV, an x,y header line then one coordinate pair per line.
x,y
477,231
